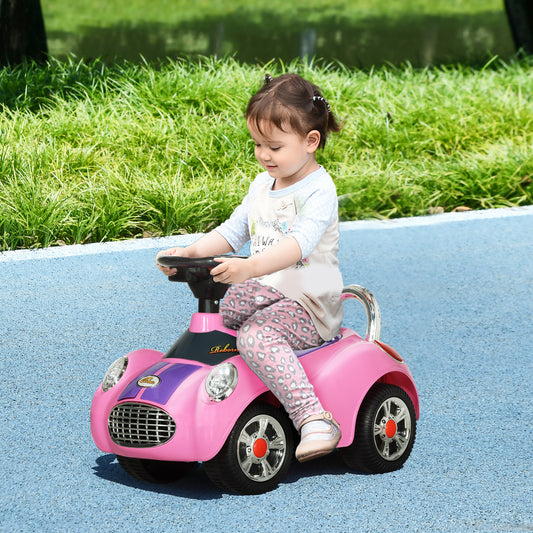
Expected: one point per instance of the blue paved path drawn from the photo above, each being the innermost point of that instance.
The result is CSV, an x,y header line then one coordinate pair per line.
x,y
457,301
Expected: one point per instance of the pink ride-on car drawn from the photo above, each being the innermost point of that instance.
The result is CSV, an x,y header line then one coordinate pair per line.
x,y
163,413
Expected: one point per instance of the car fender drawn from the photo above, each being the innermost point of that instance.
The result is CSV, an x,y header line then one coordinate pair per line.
x,y
343,373
212,421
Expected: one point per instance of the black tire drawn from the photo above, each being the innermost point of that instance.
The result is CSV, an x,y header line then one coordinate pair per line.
x,y
155,471
384,433
257,453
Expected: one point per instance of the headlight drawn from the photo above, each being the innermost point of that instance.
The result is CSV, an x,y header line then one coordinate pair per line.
x,y
221,381
114,373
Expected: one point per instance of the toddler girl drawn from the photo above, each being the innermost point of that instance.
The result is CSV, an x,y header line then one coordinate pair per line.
x,y
286,295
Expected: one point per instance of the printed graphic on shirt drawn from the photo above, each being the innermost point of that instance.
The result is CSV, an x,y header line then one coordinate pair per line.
x,y
302,263
270,222
265,233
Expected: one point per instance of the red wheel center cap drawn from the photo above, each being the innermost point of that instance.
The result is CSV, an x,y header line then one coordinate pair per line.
x,y
260,448
390,429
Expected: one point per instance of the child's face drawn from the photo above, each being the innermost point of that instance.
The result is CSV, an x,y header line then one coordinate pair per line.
x,y
287,156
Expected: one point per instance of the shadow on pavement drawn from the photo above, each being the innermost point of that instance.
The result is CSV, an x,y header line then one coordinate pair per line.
x,y
197,486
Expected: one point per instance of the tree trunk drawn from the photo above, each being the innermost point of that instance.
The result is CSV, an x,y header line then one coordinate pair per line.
x,y
22,33
520,15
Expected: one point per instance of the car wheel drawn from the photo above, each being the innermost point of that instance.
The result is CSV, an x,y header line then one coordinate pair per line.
x,y
257,453
384,433
155,471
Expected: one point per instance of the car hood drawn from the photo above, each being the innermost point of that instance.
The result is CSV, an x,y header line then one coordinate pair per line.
x,y
159,382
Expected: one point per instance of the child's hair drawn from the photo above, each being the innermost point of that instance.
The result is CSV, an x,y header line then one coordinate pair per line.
x,y
291,101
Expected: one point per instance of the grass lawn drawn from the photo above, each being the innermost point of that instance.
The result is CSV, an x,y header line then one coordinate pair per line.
x,y
358,33
91,152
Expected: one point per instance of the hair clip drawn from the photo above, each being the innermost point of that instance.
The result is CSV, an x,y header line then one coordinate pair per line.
x,y
322,99
268,79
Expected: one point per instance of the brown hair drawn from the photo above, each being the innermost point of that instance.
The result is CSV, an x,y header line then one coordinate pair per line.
x,y
290,100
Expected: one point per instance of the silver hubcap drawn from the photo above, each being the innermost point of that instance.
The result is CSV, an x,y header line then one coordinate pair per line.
x,y
392,429
261,448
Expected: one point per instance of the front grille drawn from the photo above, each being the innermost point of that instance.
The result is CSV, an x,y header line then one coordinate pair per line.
x,y
138,425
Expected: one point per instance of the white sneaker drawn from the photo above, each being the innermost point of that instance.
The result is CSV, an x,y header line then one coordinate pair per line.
x,y
320,435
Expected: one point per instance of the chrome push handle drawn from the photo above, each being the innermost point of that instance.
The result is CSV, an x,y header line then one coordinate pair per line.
x,y
369,302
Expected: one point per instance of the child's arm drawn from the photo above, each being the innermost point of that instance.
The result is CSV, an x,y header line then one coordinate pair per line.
x,y
210,244
284,254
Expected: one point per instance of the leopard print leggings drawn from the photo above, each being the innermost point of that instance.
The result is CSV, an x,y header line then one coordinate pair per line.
x,y
270,327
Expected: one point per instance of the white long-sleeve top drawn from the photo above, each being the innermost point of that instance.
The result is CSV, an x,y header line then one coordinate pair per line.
x,y
308,212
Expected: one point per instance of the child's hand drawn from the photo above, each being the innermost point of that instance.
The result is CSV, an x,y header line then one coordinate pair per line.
x,y
232,270
181,252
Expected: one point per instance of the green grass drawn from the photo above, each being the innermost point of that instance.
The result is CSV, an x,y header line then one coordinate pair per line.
x,y
360,33
63,15
90,152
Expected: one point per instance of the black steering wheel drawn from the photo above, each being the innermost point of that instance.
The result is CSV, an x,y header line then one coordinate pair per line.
x,y
196,272
198,266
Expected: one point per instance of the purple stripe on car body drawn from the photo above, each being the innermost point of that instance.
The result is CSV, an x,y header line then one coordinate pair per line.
x,y
301,353
171,378
133,389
